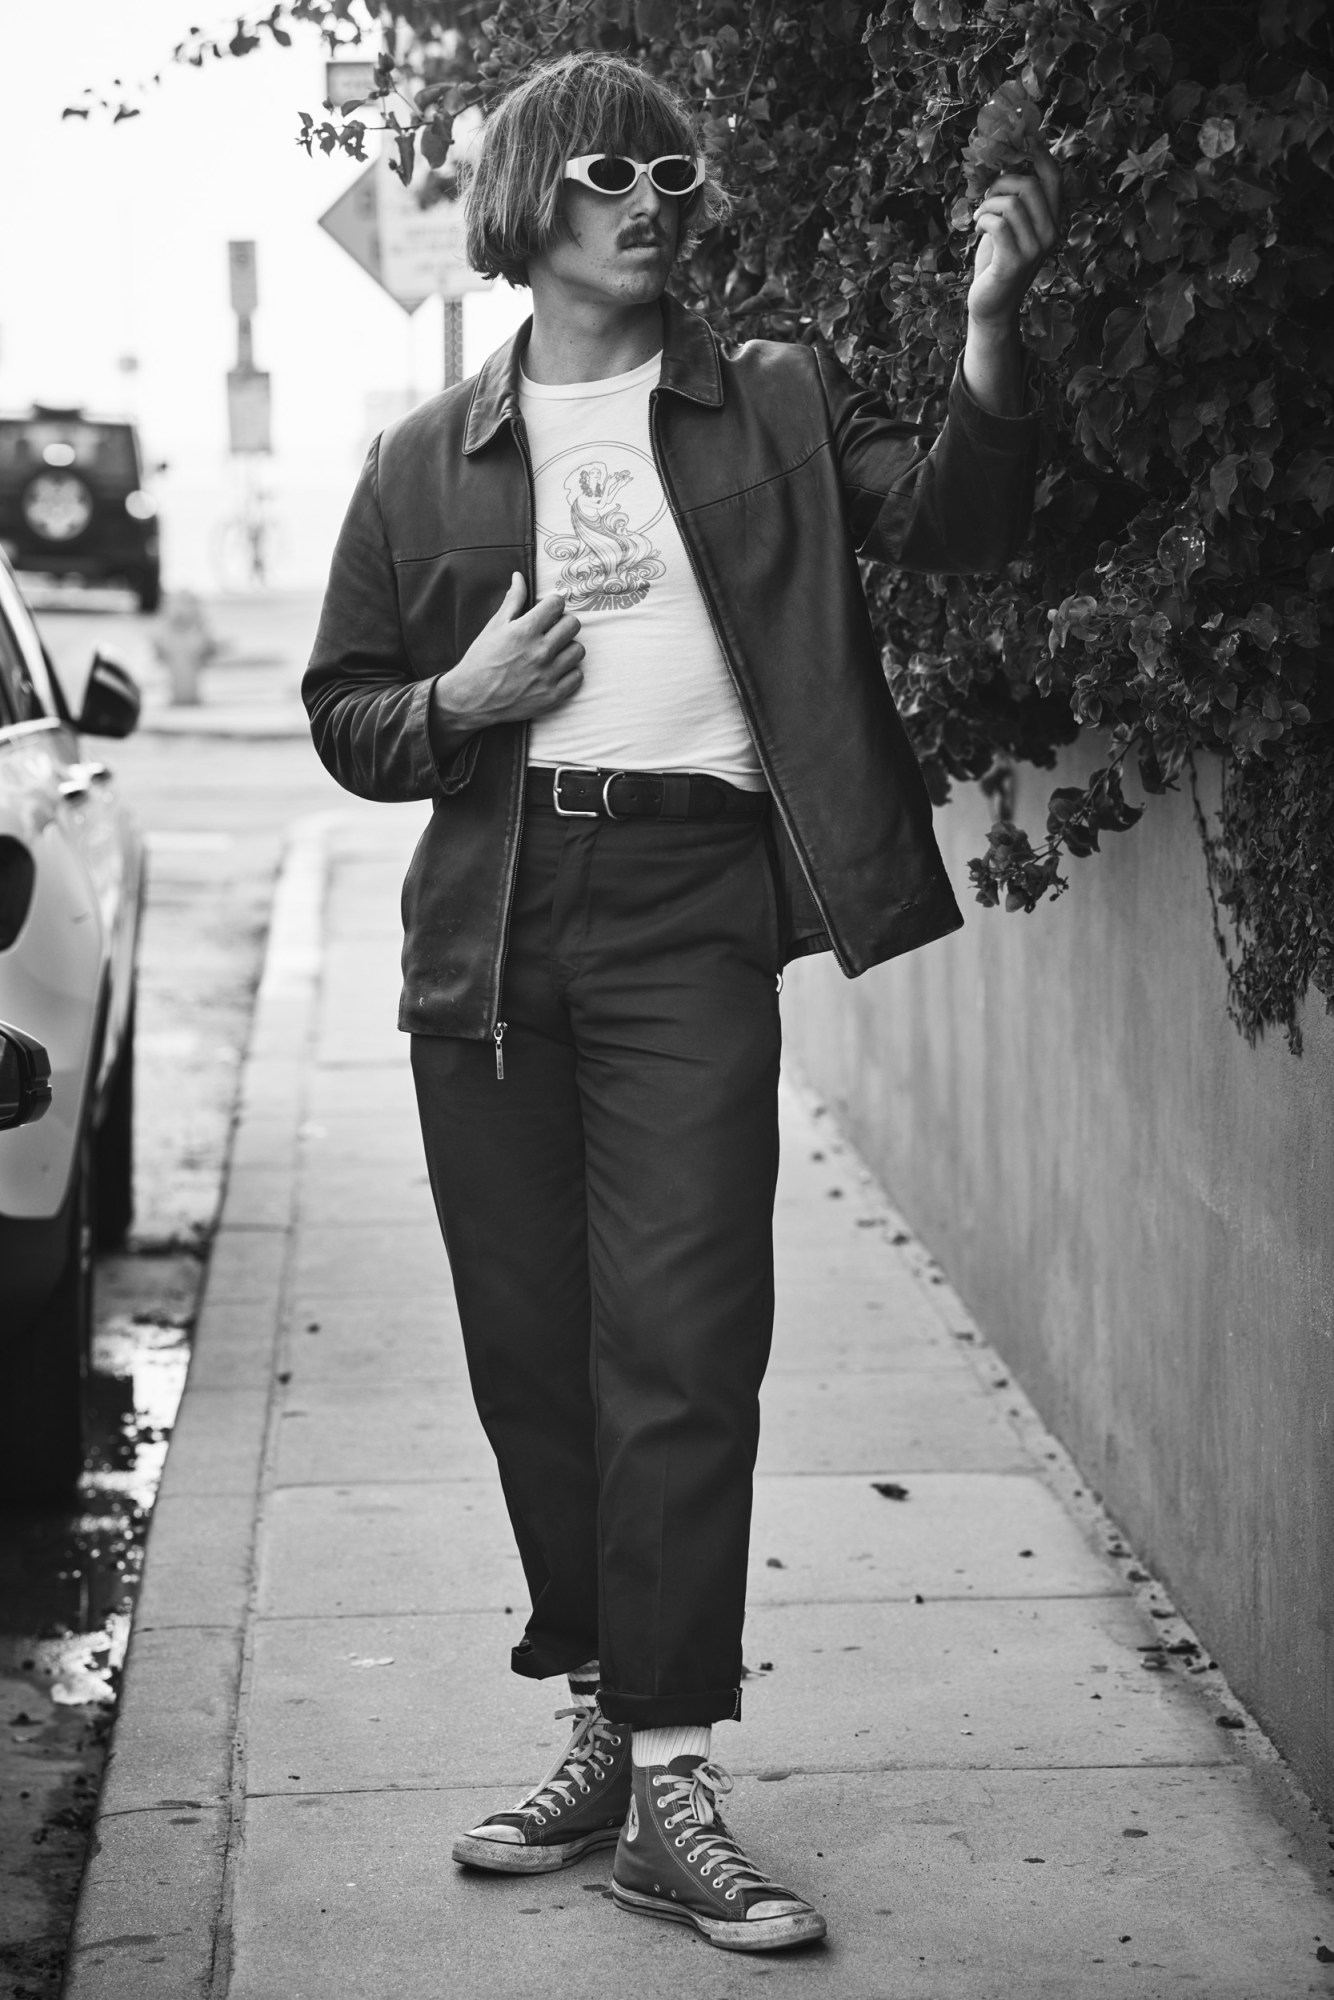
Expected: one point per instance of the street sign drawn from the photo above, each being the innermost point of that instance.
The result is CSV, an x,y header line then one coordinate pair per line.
x,y
242,271
348,83
415,253
354,222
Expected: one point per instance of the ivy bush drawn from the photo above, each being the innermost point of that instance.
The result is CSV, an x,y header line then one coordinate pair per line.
x,y
1175,594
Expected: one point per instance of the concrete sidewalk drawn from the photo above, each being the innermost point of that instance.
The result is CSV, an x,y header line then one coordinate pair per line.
x,y
950,1739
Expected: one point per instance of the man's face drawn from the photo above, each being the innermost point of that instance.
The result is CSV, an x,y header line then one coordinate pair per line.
x,y
620,248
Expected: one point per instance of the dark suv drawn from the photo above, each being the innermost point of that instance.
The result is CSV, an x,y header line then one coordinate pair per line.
x,y
72,501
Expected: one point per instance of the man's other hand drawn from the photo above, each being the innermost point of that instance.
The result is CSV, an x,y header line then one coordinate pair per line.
x,y
521,664
1018,225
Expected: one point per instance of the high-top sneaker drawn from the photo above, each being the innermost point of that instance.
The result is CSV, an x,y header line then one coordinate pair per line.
x,y
580,1805
676,1859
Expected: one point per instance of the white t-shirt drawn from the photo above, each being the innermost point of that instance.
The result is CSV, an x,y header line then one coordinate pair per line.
x,y
656,693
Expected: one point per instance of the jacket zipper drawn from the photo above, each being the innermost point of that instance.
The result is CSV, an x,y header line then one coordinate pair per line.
x,y
737,688
497,1025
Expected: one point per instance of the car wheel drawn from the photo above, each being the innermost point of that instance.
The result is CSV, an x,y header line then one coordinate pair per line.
x,y
42,1368
148,588
113,1149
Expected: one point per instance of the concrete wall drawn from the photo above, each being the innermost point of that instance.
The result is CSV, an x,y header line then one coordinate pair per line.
x,y
1139,1210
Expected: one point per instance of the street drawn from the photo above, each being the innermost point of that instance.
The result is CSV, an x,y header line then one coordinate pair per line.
x,y
215,810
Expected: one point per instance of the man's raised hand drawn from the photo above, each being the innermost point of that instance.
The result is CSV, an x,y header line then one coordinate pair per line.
x,y
1018,224
522,664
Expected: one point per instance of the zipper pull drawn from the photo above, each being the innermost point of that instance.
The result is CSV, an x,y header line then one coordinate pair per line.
x,y
498,1037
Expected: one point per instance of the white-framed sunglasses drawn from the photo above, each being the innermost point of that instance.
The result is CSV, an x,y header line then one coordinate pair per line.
x,y
613,173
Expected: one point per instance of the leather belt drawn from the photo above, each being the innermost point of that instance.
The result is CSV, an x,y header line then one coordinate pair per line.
x,y
576,792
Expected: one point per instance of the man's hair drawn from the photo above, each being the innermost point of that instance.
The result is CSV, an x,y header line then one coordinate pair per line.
x,y
587,103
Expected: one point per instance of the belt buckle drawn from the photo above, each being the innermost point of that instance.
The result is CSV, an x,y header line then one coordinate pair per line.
x,y
606,795
570,812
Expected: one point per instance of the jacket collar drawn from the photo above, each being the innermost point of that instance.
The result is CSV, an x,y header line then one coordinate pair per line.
x,y
690,368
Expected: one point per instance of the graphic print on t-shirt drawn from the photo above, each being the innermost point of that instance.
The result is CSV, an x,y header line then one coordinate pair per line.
x,y
608,562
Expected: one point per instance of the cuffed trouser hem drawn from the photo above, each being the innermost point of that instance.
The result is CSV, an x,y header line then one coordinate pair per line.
x,y
670,1711
534,1665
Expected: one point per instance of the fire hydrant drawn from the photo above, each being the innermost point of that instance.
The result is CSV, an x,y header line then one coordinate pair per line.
x,y
184,644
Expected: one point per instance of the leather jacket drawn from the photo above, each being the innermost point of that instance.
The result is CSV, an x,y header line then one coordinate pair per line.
x,y
780,473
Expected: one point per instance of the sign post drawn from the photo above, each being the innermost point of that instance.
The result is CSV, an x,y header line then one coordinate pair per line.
x,y
245,537
247,386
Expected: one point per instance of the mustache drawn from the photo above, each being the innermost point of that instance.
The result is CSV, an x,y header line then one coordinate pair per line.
x,y
638,235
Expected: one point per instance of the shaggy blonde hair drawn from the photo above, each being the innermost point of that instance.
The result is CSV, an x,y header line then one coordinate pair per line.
x,y
586,103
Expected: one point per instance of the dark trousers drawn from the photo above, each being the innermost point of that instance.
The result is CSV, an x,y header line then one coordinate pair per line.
x,y
608,1212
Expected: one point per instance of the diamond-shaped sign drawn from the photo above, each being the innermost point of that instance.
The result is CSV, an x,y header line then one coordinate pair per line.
x,y
416,253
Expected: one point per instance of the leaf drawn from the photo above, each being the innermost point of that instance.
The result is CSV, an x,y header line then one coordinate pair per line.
x,y
1217,136
1183,551
1169,309
1140,166
1064,801
435,141
1320,489
406,148
1123,343
1223,480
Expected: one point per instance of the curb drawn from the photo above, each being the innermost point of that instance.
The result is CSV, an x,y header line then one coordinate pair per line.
x,y
148,1921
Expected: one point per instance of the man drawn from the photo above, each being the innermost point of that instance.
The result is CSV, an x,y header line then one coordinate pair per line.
x,y
601,606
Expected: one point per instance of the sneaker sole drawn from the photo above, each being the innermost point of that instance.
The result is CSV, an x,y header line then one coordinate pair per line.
x,y
767,1934
503,1858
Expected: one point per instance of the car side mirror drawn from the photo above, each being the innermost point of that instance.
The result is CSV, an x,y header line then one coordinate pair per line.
x,y
110,700
25,1078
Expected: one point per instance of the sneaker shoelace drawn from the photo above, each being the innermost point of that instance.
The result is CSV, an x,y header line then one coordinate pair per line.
x,y
697,1793
594,1744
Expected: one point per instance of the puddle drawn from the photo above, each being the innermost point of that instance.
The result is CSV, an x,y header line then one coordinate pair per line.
x,y
68,1576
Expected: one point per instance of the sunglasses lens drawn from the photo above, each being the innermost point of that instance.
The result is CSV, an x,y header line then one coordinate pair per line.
x,y
610,174
675,175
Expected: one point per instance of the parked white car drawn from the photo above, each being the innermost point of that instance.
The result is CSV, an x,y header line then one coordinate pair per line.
x,y
71,890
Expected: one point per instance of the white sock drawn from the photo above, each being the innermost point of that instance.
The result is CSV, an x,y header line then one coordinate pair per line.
x,y
659,1746
584,1683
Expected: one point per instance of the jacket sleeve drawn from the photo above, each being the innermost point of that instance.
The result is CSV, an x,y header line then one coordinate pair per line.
x,y
369,717
963,505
